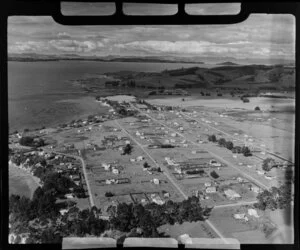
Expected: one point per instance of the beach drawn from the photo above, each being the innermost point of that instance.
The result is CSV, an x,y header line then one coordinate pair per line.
x,y
21,182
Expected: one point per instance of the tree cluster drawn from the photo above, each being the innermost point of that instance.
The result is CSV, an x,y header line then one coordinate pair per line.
x,y
149,217
229,145
268,164
31,141
275,198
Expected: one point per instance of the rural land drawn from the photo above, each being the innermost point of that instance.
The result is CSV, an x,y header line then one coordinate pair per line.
x,y
203,152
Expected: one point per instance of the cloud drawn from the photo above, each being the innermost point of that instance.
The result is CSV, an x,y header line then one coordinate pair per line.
x,y
74,45
63,35
167,46
260,35
28,46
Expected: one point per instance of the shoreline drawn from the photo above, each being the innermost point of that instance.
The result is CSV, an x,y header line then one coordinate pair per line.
x,y
28,180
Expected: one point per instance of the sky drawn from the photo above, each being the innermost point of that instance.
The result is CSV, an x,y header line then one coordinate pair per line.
x,y
260,36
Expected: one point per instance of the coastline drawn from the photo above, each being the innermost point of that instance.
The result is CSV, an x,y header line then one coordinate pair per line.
x,y
21,181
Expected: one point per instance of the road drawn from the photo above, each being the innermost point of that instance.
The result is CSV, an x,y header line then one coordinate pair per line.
x,y
92,203
169,177
242,203
213,154
231,136
152,159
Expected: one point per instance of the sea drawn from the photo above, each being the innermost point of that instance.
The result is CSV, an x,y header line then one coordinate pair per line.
x,y
42,94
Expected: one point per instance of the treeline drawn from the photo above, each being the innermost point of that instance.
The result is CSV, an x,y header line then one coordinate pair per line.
x,y
139,220
126,217
229,145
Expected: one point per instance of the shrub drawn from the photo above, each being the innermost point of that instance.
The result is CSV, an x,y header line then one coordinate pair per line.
x,y
222,142
146,165
236,150
229,145
212,138
109,194
214,175
127,149
246,151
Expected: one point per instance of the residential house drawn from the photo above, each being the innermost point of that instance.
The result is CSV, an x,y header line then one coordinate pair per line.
x,y
215,163
156,181
211,190
253,212
240,217
231,194
115,171
69,196
255,189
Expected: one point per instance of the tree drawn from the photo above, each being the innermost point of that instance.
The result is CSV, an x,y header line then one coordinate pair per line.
x,y
146,165
38,193
268,164
246,151
257,108
222,142
127,149
236,150
212,138
229,145
214,175
109,194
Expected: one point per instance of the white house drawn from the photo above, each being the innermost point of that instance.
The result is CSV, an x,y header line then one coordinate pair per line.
x,y
139,158
211,190
255,189
260,172
63,211
106,166
115,171
231,194
239,216
215,163
253,212
156,181
239,179
69,196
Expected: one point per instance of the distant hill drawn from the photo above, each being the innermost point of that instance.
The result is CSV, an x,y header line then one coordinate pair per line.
x,y
227,63
41,57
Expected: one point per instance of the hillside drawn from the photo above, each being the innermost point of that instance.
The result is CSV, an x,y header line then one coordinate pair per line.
x,y
244,77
